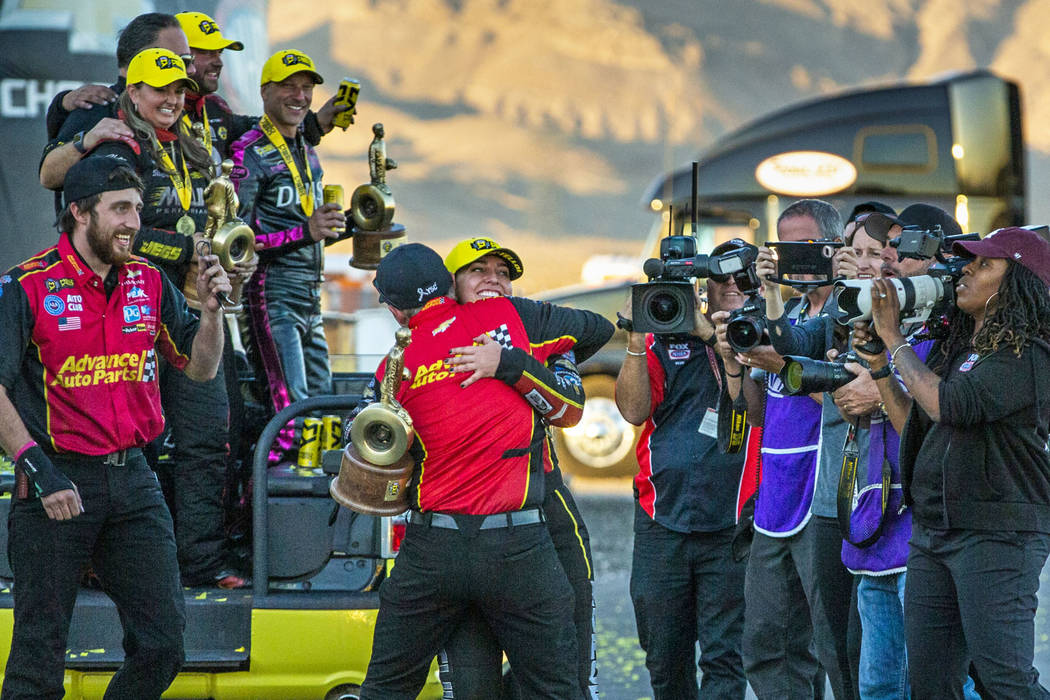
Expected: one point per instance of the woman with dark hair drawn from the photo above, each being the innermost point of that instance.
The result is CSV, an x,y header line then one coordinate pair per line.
x,y
176,169
975,470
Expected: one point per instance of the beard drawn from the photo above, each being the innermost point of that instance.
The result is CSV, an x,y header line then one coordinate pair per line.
x,y
101,243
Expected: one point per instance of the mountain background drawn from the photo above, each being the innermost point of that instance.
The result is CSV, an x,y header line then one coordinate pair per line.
x,y
541,123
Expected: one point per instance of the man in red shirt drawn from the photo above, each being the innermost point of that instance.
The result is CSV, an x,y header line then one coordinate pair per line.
x,y
83,322
475,537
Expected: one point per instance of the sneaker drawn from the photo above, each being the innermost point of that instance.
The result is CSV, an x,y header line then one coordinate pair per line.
x,y
230,580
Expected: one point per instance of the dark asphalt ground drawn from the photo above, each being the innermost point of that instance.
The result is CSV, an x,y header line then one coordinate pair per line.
x,y
607,509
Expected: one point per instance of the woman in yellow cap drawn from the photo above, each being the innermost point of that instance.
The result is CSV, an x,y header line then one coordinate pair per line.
x,y
470,663
176,169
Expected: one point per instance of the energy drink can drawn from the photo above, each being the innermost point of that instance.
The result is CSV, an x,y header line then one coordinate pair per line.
x,y
310,444
347,94
333,433
333,194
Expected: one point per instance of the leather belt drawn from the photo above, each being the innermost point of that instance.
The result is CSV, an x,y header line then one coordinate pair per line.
x,y
512,518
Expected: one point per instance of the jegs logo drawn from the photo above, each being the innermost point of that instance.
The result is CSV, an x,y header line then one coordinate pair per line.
x,y
54,285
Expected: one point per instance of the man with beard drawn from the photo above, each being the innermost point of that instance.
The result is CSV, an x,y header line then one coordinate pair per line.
x,y
83,323
278,179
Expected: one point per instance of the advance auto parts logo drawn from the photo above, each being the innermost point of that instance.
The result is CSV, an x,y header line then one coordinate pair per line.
x,y
92,370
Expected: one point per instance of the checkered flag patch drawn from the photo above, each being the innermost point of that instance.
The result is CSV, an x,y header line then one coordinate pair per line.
x,y
502,336
149,366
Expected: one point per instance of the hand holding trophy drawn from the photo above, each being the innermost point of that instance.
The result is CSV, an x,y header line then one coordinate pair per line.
x,y
376,464
229,238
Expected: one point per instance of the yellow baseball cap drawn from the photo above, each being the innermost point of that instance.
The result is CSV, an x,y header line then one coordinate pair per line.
x,y
158,68
288,62
203,33
466,252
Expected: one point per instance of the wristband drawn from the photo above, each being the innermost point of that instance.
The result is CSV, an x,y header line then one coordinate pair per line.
x,y
46,479
632,353
886,371
735,376
23,448
893,355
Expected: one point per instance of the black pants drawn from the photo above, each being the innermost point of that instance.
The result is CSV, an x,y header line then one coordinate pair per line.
x,y
197,414
510,575
125,533
687,588
470,664
972,595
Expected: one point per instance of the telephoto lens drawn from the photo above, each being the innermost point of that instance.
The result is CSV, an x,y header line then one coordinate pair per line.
x,y
803,375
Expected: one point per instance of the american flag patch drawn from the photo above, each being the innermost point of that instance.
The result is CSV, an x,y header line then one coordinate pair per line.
x,y
72,323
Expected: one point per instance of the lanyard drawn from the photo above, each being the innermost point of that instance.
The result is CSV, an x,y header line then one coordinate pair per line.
x,y
737,419
204,121
182,183
306,198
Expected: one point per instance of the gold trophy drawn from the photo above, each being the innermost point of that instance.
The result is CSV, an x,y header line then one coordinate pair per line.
x,y
372,209
376,466
232,240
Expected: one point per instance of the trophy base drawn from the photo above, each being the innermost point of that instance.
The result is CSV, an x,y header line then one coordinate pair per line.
x,y
369,489
371,246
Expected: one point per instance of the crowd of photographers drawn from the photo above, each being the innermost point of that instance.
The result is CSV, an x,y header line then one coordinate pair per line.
x,y
891,412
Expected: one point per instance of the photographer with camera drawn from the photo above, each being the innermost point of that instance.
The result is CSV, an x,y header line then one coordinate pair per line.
x,y
974,468
686,586
794,563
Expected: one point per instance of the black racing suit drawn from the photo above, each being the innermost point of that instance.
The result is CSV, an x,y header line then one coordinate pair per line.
x,y
283,298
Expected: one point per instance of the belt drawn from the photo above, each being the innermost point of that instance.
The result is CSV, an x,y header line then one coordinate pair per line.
x,y
512,518
115,459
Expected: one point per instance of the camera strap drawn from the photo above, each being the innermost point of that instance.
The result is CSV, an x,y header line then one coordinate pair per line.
x,y
848,487
732,424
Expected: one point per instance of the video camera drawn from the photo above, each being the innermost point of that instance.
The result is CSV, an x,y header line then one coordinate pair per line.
x,y
665,304
921,297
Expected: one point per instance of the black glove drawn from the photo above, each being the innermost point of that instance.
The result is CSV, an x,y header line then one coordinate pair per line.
x,y
45,477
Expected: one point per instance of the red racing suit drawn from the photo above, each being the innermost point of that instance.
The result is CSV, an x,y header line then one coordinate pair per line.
x,y
482,449
80,364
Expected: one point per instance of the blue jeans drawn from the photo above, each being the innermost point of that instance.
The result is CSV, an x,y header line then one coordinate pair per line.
x,y
883,657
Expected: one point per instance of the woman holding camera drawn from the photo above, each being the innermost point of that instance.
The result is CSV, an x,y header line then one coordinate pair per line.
x,y
976,472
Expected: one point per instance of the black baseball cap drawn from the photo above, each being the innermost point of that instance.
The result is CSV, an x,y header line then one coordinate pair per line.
x,y
99,174
411,275
870,207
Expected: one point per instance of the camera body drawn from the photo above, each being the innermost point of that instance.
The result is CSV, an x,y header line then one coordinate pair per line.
x,y
666,303
812,258
746,327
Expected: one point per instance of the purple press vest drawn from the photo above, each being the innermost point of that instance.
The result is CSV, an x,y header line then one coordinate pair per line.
x,y
889,553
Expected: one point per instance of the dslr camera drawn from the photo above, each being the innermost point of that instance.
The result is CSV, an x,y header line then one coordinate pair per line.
x,y
921,297
666,303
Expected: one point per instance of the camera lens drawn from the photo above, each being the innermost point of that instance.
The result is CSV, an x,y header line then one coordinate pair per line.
x,y
664,308
744,333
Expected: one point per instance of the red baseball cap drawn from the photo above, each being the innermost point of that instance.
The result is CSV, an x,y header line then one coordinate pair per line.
x,y
1018,245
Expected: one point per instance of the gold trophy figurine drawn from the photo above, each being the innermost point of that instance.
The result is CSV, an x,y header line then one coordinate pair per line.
x,y
376,465
232,240
372,209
